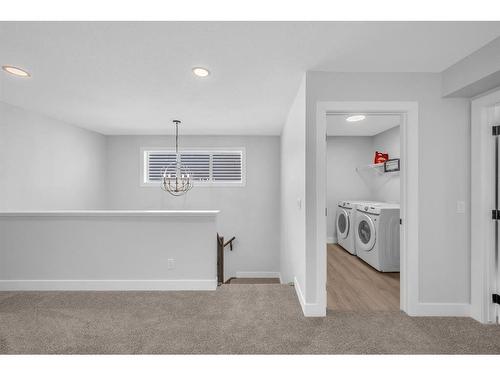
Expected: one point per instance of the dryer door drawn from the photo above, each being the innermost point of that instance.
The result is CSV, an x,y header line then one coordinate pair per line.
x,y
365,232
342,223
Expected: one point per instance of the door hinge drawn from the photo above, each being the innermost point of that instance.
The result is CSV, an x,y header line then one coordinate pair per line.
x,y
495,298
495,214
400,221
495,130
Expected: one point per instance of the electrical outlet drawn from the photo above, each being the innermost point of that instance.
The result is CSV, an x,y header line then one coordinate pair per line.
x,y
460,207
171,264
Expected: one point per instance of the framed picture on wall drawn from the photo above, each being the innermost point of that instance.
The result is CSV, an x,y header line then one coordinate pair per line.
x,y
391,165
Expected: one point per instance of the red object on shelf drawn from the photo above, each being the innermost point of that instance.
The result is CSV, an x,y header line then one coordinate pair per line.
x,y
380,157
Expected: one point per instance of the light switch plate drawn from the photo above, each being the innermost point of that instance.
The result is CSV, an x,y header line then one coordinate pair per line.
x,y
171,264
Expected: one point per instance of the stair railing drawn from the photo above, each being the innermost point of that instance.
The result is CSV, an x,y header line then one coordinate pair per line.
x,y
220,256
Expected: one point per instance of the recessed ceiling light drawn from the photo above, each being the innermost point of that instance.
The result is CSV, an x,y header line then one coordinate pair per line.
x,y
15,71
201,72
355,118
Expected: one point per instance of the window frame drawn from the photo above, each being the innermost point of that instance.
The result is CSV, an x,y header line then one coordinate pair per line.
x,y
144,153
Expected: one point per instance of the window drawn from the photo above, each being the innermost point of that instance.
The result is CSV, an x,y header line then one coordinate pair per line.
x,y
223,167
226,166
198,165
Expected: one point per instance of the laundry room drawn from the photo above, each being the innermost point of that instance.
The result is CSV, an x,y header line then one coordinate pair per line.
x,y
363,212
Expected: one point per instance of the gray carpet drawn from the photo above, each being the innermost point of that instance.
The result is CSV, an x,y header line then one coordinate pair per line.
x,y
233,319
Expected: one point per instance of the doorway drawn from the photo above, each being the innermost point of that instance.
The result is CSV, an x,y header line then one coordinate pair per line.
x,y
409,195
363,205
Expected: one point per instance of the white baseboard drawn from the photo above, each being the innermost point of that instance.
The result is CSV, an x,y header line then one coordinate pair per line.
x,y
300,296
259,275
102,285
331,239
308,309
441,309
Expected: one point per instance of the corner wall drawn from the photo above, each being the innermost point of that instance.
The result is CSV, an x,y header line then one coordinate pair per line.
x,y
49,164
293,205
444,135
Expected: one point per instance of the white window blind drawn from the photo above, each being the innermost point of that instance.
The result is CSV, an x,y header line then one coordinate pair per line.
x,y
198,165
226,166
218,167
156,162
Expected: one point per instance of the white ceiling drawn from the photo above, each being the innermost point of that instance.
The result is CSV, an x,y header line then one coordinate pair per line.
x,y
134,77
336,125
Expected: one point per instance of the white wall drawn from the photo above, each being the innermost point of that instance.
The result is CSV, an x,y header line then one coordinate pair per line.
x,y
344,154
88,250
444,135
293,192
48,164
251,213
386,187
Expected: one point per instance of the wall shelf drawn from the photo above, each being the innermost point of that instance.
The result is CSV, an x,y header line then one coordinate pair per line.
x,y
390,166
378,168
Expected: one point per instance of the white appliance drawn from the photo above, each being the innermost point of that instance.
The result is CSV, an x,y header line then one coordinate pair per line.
x,y
345,223
377,235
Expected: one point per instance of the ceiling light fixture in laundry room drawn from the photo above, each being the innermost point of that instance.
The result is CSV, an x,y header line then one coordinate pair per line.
x,y
201,72
355,118
14,70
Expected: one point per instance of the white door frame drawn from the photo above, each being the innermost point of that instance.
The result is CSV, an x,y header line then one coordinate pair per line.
x,y
482,226
409,292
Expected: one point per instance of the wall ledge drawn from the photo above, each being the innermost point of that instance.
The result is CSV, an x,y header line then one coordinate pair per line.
x,y
107,285
89,213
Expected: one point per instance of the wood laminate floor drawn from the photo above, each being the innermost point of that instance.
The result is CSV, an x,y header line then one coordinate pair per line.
x,y
353,285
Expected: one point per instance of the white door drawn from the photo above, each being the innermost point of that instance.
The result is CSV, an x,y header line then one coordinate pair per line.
x,y
494,120
485,201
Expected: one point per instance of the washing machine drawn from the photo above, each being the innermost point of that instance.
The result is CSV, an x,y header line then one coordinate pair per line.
x,y
345,222
377,235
